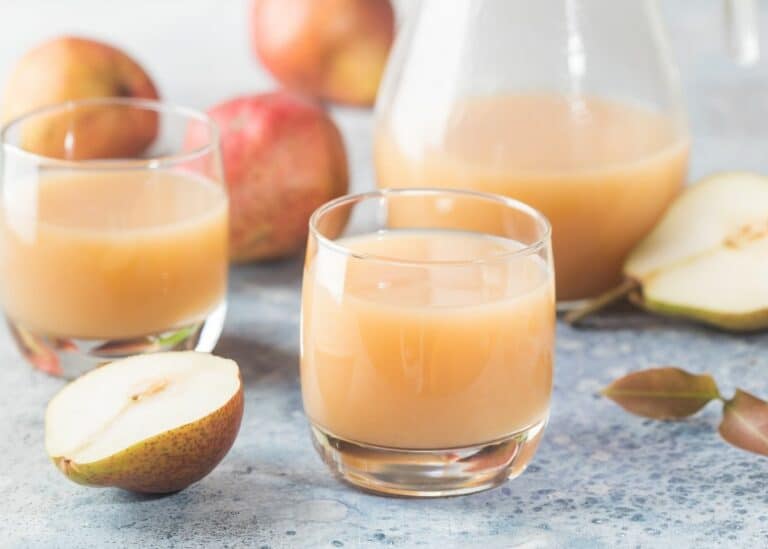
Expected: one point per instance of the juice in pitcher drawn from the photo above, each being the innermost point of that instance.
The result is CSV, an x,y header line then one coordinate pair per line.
x,y
603,172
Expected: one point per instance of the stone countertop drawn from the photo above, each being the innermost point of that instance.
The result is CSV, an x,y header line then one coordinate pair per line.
x,y
602,478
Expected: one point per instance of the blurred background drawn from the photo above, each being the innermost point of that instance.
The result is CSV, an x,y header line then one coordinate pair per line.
x,y
198,53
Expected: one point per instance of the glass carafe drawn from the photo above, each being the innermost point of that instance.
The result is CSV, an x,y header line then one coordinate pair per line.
x,y
573,106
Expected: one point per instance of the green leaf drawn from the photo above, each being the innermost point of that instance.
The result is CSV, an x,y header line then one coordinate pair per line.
x,y
745,423
663,393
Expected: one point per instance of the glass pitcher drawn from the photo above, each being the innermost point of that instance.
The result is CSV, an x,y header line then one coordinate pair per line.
x,y
573,106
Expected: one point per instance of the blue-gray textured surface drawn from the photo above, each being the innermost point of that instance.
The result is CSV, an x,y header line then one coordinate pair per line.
x,y
601,478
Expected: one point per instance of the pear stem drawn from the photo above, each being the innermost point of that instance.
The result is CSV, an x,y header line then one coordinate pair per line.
x,y
601,302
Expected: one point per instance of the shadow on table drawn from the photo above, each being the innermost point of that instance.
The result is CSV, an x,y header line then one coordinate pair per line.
x,y
260,362
281,272
123,496
628,318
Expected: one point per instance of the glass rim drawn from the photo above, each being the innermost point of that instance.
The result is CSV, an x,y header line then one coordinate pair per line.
x,y
150,162
539,218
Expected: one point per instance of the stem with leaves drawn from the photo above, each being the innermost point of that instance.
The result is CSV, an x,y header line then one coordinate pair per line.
x,y
671,393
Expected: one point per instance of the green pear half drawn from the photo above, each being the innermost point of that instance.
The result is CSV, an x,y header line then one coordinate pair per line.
x,y
153,423
707,259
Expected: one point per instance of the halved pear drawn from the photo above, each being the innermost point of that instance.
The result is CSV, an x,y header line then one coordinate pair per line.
x,y
153,423
708,257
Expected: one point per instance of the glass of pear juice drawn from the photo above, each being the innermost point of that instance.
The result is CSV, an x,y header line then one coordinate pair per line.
x,y
113,232
427,342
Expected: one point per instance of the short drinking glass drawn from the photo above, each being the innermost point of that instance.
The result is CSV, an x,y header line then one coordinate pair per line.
x,y
113,232
428,323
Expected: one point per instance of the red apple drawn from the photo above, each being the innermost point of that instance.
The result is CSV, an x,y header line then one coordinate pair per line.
x,y
69,68
333,49
283,157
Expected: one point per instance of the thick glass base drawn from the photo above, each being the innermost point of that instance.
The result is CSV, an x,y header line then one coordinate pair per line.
x,y
428,473
70,358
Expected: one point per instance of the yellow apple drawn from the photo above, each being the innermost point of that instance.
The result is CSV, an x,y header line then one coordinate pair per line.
x,y
71,68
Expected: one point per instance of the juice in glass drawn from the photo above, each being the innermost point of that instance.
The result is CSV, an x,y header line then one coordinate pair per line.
x,y
427,343
115,255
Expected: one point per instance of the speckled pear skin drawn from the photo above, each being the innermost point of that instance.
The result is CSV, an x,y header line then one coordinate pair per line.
x,y
750,322
167,462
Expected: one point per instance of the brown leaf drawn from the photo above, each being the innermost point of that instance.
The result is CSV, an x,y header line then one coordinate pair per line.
x,y
745,422
663,393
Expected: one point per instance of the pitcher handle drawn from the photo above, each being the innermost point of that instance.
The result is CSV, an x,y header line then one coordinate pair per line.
x,y
741,20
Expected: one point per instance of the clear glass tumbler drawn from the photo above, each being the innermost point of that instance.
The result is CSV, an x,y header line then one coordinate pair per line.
x,y
113,232
428,322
